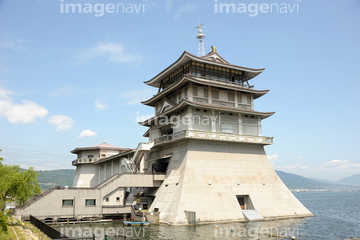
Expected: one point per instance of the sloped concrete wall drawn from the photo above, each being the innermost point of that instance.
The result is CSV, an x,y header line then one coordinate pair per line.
x,y
205,177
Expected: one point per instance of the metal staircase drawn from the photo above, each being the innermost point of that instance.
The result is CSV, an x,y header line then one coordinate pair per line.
x,y
131,166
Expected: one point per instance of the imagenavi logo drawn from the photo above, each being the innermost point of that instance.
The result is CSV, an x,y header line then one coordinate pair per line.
x,y
100,9
254,9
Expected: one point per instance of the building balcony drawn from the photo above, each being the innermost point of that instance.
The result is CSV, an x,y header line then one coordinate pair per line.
x,y
223,80
222,103
215,136
84,160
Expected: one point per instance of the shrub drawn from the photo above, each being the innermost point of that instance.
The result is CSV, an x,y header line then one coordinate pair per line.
x,y
3,223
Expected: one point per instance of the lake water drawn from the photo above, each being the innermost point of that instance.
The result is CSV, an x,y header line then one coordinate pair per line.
x,y
337,216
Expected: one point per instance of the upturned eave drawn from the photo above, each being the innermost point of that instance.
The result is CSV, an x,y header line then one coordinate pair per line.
x,y
186,56
209,82
186,102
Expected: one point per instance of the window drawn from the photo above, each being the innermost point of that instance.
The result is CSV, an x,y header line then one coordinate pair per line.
x,y
185,92
228,128
217,73
195,93
248,99
103,155
67,202
117,199
166,130
215,94
197,69
239,97
90,202
106,199
231,97
205,92
90,156
237,76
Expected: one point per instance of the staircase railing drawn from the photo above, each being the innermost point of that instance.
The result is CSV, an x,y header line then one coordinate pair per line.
x,y
37,198
131,165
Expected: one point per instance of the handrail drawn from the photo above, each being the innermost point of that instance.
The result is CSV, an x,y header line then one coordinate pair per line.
x,y
99,186
131,165
37,198
116,206
217,136
222,81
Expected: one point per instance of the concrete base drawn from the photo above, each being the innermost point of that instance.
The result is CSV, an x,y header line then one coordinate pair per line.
x,y
209,177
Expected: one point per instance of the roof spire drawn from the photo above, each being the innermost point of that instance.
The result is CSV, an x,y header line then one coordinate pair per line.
x,y
200,36
213,49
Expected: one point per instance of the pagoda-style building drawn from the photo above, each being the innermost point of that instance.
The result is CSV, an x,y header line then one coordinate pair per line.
x,y
204,162
206,136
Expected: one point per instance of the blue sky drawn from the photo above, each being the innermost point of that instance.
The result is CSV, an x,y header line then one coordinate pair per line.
x,y
70,80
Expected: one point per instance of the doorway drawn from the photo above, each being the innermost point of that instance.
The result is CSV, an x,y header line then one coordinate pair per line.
x,y
245,202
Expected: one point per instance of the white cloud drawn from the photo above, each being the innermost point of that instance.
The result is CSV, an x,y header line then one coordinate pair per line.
x,y
185,9
344,165
338,161
133,97
114,52
62,122
87,133
168,5
24,112
273,157
63,91
5,94
292,167
99,104
14,44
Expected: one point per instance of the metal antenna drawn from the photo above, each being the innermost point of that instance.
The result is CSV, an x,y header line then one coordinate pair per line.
x,y
200,36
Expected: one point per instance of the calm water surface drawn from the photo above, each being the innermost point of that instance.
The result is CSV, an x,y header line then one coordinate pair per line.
x,y
337,216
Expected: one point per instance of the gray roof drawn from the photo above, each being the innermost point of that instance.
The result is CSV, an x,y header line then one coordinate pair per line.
x,y
100,147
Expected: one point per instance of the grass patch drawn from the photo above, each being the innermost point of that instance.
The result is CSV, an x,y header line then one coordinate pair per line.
x,y
24,230
9,234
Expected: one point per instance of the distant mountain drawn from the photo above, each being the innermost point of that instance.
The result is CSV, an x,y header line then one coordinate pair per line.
x,y
323,180
293,181
64,177
52,178
353,180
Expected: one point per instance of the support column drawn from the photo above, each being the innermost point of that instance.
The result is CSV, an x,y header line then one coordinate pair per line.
x,y
99,173
213,120
236,99
190,119
104,171
240,124
190,92
209,95
252,101
259,126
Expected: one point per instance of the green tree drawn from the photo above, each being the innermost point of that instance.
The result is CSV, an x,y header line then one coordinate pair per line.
x,y
17,184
